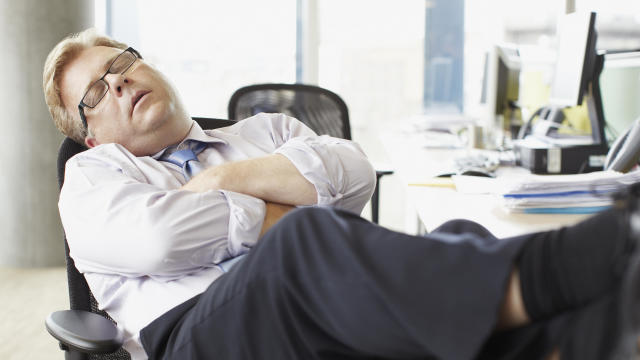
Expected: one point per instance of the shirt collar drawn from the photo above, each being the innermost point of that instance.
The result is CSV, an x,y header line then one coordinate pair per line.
x,y
195,133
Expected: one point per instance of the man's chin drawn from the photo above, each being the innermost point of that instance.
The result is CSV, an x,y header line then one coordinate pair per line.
x,y
155,115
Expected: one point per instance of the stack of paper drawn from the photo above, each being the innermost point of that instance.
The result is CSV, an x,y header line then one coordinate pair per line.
x,y
563,194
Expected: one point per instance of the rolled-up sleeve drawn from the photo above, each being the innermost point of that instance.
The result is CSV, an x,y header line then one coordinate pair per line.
x,y
246,215
338,168
117,224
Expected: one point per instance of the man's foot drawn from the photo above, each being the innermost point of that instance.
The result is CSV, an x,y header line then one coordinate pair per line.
x,y
571,267
607,329
628,315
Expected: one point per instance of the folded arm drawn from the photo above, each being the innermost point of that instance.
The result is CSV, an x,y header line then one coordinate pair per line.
x,y
272,178
119,220
118,223
301,168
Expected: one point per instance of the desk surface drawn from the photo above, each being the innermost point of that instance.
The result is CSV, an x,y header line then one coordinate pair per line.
x,y
416,164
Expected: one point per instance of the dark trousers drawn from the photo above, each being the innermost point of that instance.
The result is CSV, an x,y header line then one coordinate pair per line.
x,y
327,284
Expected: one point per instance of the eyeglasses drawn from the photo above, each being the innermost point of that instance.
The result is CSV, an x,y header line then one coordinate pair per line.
x,y
100,87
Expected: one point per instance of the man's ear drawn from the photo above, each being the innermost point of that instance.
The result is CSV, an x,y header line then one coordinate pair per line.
x,y
91,142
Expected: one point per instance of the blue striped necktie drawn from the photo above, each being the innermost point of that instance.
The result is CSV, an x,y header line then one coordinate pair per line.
x,y
187,159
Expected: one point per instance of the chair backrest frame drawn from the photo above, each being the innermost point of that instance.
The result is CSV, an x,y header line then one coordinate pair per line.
x,y
242,93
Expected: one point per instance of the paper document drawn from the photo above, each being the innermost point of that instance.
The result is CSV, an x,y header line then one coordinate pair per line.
x,y
569,194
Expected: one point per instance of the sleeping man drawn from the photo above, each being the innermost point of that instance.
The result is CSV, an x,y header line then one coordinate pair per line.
x,y
244,242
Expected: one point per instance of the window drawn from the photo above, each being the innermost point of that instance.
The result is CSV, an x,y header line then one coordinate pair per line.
x,y
386,58
209,48
617,23
371,54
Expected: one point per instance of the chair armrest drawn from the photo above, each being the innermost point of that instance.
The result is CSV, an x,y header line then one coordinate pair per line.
x,y
382,168
84,331
375,197
380,173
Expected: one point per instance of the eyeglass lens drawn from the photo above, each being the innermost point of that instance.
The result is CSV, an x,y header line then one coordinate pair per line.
x,y
100,87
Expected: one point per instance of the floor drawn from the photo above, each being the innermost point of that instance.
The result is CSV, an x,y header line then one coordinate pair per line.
x,y
28,296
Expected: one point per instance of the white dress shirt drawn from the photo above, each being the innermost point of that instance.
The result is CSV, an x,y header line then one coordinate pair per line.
x,y
145,246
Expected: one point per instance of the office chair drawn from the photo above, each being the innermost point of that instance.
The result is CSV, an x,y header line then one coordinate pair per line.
x,y
320,109
85,332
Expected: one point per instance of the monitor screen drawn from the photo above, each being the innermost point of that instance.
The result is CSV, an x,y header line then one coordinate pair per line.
x,y
620,87
574,62
501,79
508,78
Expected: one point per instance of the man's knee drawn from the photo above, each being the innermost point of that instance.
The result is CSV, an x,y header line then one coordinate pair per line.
x,y
462,226
313,224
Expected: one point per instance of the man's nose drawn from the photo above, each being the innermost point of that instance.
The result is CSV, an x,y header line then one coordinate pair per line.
x,y
117,82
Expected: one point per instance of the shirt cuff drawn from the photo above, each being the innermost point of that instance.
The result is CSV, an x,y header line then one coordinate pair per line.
x,y
246,215
312,158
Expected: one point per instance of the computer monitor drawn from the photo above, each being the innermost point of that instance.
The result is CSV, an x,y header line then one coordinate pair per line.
x,y
620,88
575,60
501,84
576,76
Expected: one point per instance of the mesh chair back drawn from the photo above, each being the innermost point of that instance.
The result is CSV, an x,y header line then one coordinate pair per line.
x,y
80,297
320,109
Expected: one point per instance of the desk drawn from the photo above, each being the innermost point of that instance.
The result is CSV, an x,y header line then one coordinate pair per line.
x,y
414,163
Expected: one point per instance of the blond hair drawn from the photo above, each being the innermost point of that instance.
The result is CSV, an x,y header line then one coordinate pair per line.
x,y
54,66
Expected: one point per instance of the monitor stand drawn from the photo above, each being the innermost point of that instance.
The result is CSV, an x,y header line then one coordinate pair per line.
x,y
594,103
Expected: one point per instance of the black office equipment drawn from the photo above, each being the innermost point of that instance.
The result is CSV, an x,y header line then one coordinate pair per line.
x,y
545,150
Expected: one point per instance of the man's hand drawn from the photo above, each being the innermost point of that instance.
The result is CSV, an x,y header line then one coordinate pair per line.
x,y
273,214
272,178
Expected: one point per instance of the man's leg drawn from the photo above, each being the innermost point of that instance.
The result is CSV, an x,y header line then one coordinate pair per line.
x,y
567,268
512,312
606,328
326,284
582,289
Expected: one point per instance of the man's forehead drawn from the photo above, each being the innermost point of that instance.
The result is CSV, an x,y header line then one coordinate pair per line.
x,y
93,59
83,69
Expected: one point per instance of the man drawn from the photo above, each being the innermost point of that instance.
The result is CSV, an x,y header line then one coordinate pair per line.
x,y
182,236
